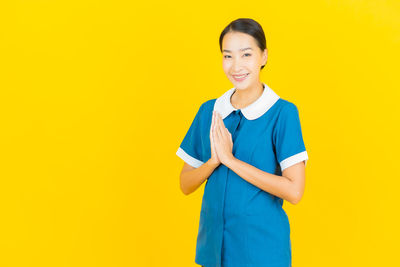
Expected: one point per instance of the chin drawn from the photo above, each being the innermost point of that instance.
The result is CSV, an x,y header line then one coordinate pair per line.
x,y
240,85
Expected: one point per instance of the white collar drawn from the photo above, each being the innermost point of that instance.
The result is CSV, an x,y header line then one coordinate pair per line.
x,y
253,111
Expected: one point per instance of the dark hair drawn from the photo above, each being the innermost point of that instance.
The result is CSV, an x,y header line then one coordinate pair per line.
x,y
248,26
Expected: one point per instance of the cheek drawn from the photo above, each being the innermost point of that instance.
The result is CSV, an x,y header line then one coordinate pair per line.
x,y
226,65
254,62
253,65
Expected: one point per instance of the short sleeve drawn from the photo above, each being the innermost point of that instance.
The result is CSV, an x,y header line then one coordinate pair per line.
x,y
190,150
288,138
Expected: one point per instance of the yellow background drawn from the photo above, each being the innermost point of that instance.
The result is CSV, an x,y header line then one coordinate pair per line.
x,y
96,97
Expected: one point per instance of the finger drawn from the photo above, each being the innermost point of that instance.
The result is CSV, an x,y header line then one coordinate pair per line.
x,y
212,138
213,125
222,127
216,120
216,126
216,139
211,132
220,122
223,130
214,131
212,121
219,131
228,134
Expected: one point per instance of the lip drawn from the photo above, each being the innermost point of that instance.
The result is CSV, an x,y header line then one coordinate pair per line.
x,y
240,79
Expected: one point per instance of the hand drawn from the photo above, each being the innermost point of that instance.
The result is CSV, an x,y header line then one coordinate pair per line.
x,y
222,139
214,156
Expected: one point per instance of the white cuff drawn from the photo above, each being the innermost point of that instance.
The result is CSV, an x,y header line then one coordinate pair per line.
x,y
188,159
302,156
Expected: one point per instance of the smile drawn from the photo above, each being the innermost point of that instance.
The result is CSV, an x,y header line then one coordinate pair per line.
x,y
240,78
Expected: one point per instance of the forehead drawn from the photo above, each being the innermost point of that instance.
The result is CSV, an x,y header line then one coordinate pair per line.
x,y
234,41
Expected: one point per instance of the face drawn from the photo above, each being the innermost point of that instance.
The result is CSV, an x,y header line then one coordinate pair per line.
x,y
241,56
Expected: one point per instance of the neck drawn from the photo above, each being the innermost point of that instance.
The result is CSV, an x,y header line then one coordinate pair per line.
x,y
241,98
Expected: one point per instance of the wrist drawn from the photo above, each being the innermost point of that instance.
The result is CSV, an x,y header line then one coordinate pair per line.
x,y
229,160
212,163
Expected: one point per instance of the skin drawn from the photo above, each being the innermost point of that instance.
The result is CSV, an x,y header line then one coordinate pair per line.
x,y
236,60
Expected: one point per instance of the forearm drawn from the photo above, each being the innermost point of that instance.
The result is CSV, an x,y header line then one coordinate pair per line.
x,y
276,185
192,179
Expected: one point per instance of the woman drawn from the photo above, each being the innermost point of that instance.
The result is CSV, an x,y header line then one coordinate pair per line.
x,y
247,145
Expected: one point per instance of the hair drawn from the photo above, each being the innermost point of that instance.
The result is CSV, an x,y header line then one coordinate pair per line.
x,y
248,26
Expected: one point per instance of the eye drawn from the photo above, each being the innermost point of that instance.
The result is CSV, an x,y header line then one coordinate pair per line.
x,y
226,56
248,54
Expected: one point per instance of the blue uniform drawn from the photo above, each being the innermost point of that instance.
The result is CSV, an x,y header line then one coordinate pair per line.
x,y
240,224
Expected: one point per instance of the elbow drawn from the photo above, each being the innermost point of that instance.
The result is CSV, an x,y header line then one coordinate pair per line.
x,y
295,199
184,190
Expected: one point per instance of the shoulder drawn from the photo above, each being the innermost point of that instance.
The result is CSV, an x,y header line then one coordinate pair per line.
x,y
204,113
209,104
286,114
207,107
285,107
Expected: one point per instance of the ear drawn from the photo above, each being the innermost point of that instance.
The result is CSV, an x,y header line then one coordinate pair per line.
x,y
264,56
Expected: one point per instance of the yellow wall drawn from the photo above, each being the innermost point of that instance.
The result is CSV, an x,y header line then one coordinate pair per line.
x,y
96,96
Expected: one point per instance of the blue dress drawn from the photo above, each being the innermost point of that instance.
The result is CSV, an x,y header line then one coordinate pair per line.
x,y
240,224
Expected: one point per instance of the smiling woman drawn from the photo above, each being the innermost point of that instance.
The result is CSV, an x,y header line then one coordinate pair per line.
x,y
248,145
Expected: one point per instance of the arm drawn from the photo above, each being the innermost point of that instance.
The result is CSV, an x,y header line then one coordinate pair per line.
x,y
191,178
289,186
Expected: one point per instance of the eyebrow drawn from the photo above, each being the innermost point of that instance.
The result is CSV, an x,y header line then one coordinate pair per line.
x,y
226,50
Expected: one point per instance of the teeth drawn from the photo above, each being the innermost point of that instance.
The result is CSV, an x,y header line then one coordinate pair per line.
x,y
240,76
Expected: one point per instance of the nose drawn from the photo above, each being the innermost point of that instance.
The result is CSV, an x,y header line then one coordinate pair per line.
x,y
237,66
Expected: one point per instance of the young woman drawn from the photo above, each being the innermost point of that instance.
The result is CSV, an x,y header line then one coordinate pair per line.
x,y
248,146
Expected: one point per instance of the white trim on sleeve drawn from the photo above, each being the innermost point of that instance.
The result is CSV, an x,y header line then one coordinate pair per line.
x,y
188,159
294,159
